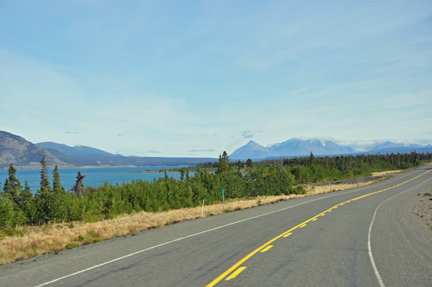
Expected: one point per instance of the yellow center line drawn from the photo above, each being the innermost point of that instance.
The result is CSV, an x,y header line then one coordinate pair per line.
x,y
286,234
234,275
267,248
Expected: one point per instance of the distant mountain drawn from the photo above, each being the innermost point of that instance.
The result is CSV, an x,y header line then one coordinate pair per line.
x,y
389,144
251,150
395,150
299,147
330,147
15,149
26,155
291,147
80,151
392,147
89,156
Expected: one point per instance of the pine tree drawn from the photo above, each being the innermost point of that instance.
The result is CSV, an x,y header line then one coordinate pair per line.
x,y
57,187
25,196
60,197
249,163
223,162
44,196
225,157
312,159
45,184
12,185
182,173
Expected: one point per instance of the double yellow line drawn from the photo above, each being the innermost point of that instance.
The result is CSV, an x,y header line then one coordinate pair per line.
x,y
287,233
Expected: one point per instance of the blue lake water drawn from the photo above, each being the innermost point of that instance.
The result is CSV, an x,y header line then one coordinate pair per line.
x,y
94,176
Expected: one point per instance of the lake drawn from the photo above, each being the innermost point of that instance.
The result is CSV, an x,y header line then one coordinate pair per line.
x,y
94,176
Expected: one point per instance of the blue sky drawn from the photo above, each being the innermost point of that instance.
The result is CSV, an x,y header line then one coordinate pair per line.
x,y
195,78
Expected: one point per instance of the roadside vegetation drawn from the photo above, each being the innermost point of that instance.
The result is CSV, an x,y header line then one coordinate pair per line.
x,y
84,215
32,241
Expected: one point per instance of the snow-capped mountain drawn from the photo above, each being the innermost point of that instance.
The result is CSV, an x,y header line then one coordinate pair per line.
x,y
291,147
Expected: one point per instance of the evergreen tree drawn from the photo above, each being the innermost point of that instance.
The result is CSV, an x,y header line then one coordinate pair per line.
x,y
45,184
312,159
7,213
225,157
27,204
13,186
182,173
60,197
44,198
6,188
249,163
223,163
57,187
26,196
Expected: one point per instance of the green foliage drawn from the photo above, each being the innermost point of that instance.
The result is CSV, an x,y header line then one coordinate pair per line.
x,y
12,186
240,179
57,187
44,197
7,213
45,184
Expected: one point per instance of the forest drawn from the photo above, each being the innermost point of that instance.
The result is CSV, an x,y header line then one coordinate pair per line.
x,y
52,203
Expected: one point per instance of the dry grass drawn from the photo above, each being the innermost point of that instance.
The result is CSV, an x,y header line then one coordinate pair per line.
x,y
53,238
312,190
386,172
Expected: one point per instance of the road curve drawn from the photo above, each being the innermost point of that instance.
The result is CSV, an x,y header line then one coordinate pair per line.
x,y
361,237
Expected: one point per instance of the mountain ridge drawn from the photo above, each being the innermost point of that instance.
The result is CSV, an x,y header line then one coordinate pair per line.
x,y
319,147
290,147
16,149
78,150
26,155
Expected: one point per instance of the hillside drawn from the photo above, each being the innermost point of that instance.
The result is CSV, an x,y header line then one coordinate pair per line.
x,y
17,150
26,155
80,151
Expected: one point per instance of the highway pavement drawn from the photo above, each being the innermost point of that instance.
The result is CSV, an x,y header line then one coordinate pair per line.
x,y
360,237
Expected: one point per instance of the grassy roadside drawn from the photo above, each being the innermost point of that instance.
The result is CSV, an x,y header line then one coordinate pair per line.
x,y
38,240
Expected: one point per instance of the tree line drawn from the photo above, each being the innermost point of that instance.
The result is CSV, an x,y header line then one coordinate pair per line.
x,y
51,202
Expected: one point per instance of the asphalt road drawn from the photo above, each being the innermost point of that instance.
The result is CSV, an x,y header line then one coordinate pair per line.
x,y
360,237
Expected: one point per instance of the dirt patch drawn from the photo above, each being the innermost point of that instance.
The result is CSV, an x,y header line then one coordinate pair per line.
x,y
39,240
386,172
423,208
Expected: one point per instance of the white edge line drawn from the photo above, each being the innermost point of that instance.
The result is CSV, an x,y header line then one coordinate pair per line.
x,y
378,276
192,235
